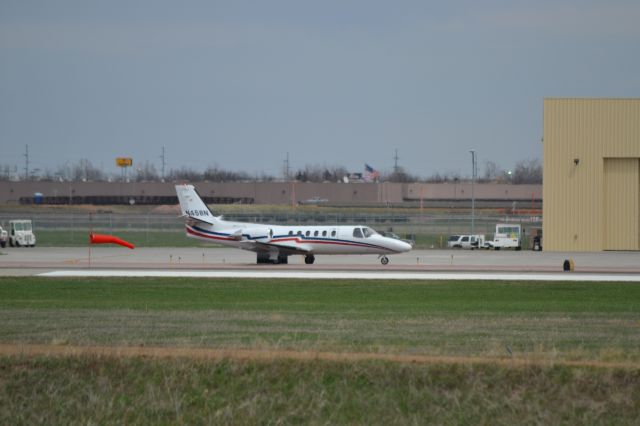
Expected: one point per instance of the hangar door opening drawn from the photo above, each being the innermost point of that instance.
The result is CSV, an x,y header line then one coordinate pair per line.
x,y
621,204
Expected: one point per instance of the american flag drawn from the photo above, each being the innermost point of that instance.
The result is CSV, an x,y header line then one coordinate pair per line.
x,y
370,174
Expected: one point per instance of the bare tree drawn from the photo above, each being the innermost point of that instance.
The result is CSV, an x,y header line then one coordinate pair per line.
x,y
215,174
6,172
84,171
443,178
492,172
316,173
527,171
400,176
185,173
146,173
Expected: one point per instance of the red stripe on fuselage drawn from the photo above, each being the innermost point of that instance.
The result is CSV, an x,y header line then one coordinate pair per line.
x,y
212,237
340,243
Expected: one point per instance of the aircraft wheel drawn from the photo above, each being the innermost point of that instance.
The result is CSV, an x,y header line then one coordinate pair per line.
x,y
384,260
309,259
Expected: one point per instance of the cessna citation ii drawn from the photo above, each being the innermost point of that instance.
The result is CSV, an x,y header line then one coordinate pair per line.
x,y
275,243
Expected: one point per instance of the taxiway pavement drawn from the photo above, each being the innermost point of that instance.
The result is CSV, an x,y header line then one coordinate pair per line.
x,y
31,261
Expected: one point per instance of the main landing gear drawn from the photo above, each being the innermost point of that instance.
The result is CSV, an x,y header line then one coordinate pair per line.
x,y
309,259
263,258
384,260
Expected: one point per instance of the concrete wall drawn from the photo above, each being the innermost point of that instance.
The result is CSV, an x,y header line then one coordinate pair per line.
x,y
277,192
256,192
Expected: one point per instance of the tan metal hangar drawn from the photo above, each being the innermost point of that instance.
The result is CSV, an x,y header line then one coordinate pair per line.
x,y
591,174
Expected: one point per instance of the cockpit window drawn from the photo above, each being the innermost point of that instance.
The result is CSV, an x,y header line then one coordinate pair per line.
x,y
357,232
368,232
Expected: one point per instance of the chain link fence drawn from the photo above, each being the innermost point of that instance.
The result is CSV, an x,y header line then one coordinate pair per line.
x,y
428,230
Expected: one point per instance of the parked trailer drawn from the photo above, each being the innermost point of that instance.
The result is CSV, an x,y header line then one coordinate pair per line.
x,y
507,236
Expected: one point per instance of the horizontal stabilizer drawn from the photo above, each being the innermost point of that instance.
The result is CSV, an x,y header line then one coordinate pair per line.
x,y
192,205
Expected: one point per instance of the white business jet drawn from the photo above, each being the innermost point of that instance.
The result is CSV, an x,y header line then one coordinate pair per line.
x,y
275,243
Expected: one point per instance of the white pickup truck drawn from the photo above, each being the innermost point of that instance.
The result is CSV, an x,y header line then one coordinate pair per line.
x,y
466,241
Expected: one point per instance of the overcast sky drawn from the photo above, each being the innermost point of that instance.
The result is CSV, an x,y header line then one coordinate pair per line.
x,y
238,84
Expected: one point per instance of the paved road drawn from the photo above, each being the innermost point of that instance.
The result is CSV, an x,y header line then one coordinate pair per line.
x,y
36,260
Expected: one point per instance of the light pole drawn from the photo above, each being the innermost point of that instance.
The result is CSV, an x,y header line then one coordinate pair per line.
x,y
473,196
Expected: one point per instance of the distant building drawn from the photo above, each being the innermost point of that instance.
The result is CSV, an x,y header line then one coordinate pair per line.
x,y
455,194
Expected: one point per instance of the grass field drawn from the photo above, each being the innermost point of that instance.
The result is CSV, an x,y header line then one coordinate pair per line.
x,y
549,322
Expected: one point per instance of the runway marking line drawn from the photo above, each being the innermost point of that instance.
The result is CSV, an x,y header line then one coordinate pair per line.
x,y
31,350
363,275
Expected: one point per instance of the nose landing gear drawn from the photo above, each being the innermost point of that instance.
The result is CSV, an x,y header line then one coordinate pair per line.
x,y
384,260
309,259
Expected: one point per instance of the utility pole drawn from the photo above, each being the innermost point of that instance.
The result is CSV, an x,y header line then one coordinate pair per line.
x,y
163,158
395,165
286,168
26,162
474,172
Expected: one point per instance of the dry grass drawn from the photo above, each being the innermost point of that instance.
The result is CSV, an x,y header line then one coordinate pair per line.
x,y
92,389
579,337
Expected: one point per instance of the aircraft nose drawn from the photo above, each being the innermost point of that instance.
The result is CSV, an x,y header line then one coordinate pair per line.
x,y
406,246
401,246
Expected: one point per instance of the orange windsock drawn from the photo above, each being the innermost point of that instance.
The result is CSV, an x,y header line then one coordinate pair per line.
x,y
108,239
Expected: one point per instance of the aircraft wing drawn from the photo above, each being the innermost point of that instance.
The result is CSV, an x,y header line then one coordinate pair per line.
x,y
283,247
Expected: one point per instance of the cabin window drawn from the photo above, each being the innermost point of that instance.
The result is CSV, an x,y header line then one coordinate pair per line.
x,y
290,232
299,232
333,233
368,232
315,234
307,233
324,233
357,232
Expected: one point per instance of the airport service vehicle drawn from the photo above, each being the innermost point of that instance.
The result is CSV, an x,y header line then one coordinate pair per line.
x,y
466,241
275,243
21,233
3,237
507,236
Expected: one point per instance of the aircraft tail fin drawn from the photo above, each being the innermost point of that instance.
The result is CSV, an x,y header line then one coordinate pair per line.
x,y
192,205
